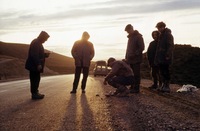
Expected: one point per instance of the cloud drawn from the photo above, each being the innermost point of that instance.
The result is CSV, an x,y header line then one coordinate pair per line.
x,y
115,11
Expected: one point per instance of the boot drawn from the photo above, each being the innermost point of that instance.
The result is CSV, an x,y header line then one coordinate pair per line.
x,y
37,96
166,88
135,89
160,87
73,91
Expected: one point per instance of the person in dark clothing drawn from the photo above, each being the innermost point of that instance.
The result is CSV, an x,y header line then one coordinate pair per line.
x,y
151,52
82,52
120,76
164,55
134,56
35,63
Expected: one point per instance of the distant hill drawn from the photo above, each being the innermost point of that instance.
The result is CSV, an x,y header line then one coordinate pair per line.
x,y
184,70
14,55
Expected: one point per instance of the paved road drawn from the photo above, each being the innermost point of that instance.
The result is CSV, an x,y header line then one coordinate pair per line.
x,y
59,110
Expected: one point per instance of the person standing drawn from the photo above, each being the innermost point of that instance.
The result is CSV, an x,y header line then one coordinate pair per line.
x,y
35,63
151,52
82,52
120,76
164,55
134,56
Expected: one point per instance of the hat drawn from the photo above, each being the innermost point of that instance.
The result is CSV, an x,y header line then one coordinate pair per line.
x,y
111,59
129,26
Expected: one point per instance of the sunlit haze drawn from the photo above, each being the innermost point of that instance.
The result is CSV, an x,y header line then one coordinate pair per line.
x,y
22,20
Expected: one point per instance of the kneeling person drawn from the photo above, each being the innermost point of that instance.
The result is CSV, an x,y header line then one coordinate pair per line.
x,y
119,77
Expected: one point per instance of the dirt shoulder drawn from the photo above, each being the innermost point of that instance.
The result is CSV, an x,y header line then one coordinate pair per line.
x,y
150,110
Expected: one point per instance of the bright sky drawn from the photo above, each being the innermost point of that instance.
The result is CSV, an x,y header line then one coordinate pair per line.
x,y
22,20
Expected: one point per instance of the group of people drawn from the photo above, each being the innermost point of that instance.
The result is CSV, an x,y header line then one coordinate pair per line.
x,y
159,54
125,74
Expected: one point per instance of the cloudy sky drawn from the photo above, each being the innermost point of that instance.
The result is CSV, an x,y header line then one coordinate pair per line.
x,y
105,20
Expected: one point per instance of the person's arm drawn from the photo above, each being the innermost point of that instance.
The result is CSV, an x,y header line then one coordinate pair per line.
x,y
113,71
92,52
140,44
170,43
34,53
73,51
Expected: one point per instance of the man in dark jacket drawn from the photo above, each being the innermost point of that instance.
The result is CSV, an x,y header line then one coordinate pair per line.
x,y
164,55
82,52
35,63
134,56
120,76
151,52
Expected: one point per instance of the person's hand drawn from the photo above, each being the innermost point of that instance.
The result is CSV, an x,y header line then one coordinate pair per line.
x,y
47,54
39,68
105,82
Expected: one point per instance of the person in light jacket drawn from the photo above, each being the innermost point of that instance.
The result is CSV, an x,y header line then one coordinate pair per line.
x,y
82,52
35,63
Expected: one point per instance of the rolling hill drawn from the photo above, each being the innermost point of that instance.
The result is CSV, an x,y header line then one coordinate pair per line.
x,y
184,70
13,57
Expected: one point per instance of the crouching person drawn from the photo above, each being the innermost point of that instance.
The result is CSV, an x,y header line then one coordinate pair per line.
x,y
120,76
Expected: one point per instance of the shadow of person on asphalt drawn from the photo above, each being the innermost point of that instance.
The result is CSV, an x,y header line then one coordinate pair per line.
x,y
88,121
70,119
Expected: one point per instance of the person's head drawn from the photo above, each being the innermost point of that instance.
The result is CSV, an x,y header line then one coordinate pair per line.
x,y
160,26
129,29
85,36
43,36
155,34
110,61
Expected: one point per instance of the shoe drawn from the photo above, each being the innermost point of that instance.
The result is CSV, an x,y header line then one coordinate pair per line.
x,y
37,96
166,88
134,91
83,91
124,93
154,86
159,89
73,92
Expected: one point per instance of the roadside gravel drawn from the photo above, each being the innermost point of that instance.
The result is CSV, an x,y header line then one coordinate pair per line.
x,y
150,110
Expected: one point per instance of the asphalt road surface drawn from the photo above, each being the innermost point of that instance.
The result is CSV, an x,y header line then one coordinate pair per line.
x,y
93,111
59,110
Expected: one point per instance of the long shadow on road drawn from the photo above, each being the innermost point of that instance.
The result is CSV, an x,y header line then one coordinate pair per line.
x,y
79,115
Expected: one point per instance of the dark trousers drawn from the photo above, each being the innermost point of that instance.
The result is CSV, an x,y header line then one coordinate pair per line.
x,y
137,77
78,71
121,80
34,81
156,75
164,72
